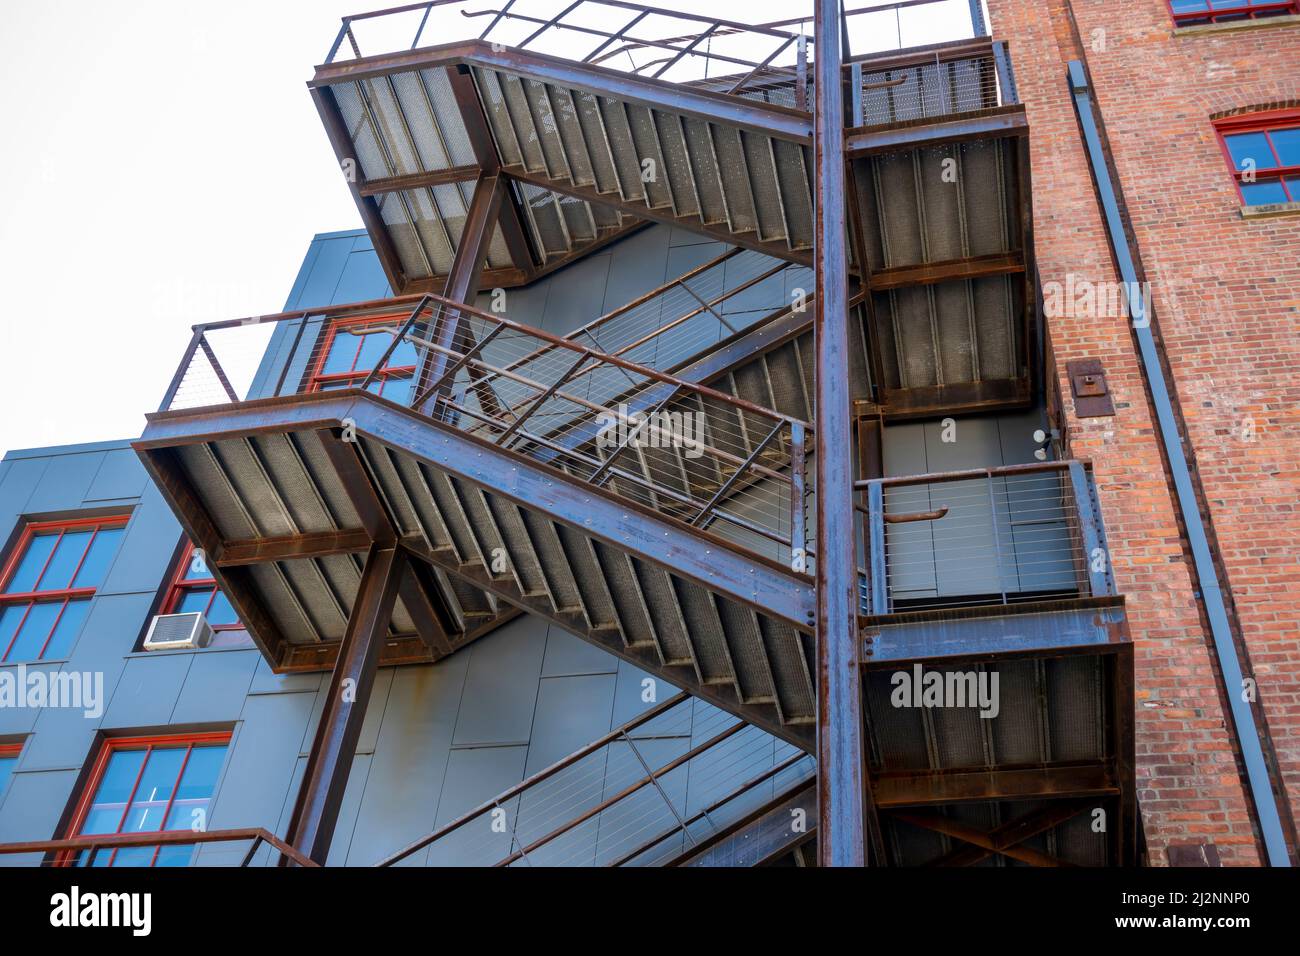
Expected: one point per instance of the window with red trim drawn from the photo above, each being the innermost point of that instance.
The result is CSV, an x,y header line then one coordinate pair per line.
x,y
149,785
193,588
1190,13
1264,151
8,760
351,348
47,584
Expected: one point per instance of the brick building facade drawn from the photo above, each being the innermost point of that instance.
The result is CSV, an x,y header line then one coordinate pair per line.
x,y
1223,279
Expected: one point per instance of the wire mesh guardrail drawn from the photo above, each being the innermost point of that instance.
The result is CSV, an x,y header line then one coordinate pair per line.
x,y
689,452
995,536
639,796
942,82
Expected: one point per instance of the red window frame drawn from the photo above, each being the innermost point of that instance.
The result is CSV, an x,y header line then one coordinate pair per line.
x,y
318,379
112,745
1261,123
179,586
39,596
1246,10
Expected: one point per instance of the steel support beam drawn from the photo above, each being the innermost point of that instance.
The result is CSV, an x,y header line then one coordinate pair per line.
x,y
842,788
463,280
311,828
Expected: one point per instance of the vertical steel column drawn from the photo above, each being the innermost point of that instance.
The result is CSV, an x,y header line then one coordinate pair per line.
x,y
311,828
979,28
841,781
463,280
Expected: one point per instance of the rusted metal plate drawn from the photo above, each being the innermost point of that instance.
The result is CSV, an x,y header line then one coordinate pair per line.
x,y
1092,398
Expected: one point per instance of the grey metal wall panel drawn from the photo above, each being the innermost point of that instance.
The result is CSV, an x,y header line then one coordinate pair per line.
x,y
32,805
146,548
66,481
567,710
501,685
147,691
374,714
410,762
120,475
567,656
475,775
215,686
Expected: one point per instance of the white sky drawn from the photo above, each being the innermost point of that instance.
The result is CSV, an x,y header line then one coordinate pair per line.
x,y
163,165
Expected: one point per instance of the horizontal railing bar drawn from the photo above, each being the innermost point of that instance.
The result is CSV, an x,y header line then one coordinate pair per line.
x,y
159,838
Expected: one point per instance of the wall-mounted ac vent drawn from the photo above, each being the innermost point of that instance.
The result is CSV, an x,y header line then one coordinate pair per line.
x,y
171,632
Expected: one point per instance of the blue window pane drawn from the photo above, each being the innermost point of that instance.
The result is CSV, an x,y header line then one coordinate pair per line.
x,y
102,551
1287,144
398,390
7,765
373,347
67,555
155,790
342,351
127,856
114,790
1293,184
1229,4
331,386
196,789
1263,193
10,618
1250,151
33,561
194,600
1189,6
404,354
174,856
196,567
66,631
34,631
222,613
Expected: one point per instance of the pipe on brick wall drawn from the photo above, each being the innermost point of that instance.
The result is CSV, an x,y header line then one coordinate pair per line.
x,y
1267,812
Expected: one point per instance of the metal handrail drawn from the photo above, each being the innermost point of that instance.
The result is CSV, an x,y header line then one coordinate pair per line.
x,y
1036,535
67,848
615,43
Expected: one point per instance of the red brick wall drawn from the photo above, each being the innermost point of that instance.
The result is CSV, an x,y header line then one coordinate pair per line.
x,y
1226,295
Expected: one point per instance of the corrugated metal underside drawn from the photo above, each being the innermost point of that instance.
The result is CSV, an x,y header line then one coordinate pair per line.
x,y
274,483
936,205
407,123
719,176
1052,711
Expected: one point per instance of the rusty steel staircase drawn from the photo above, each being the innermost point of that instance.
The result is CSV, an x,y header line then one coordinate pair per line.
x,y
646,481
678,562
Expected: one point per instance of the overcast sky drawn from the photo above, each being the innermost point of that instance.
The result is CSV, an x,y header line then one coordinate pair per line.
x,y
163,165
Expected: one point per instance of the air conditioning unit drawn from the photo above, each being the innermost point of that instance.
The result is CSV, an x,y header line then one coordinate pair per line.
x,y
173,632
